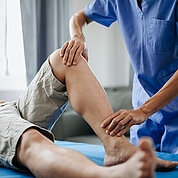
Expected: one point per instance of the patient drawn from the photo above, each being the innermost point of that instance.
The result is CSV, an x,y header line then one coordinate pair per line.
x,y
25,141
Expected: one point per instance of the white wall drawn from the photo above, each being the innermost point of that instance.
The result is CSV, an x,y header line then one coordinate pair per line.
x,y
108,55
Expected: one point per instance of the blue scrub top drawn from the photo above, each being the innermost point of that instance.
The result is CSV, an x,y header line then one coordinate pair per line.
x,y
150,34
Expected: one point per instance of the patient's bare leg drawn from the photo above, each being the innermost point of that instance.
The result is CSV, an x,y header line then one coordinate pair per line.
x,y
88,98
45,159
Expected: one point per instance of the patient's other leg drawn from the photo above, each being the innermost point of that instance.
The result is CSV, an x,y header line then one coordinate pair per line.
x,y
89,99
45,159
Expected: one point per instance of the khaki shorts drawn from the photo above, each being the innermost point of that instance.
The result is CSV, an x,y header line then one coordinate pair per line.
x,y
39,107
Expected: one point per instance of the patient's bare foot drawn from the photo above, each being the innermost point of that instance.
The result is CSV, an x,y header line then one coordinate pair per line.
x,y
121,152
141,165
165,165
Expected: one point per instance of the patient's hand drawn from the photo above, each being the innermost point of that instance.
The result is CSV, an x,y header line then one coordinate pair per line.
x,y
121,121
71,51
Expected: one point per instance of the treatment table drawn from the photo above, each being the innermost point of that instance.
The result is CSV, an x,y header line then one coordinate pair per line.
x,y
96,154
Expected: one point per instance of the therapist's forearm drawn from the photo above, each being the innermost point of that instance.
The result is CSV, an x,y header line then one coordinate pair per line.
x,y
163,97
75,47
76,24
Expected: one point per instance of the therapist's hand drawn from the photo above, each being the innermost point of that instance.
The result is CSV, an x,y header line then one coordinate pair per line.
x,y
71,51
121,121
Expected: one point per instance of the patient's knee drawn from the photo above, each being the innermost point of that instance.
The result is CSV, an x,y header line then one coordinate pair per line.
x,y
55,58
56,61
57,66
60,70
27,142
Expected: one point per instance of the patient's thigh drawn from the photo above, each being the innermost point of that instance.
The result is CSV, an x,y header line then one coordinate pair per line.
x,y
12,127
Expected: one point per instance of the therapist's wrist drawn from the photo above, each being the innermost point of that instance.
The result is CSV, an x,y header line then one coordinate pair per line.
x,y
79,37
146,110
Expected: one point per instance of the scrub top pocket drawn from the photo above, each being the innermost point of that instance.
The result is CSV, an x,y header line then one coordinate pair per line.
x,y
161,35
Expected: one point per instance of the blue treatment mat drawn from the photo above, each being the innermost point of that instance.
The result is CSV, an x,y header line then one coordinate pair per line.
x,y
96,154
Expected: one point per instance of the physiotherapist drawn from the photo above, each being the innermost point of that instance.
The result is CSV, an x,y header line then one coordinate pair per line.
x,y
150,31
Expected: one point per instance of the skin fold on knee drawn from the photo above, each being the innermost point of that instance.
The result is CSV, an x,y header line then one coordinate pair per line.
x,y
27,142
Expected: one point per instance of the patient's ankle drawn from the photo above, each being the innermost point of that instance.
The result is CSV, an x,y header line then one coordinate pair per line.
x,y
115,143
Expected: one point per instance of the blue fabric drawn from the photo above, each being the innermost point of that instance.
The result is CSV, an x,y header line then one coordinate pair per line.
x,y
96,154
150,34
163,135
57,114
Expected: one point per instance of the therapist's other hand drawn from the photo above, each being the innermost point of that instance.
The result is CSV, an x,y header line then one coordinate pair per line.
x,y
121,121
71,51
